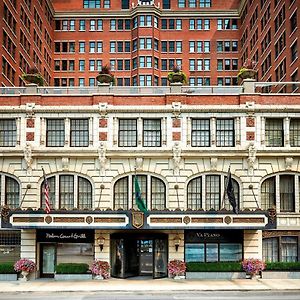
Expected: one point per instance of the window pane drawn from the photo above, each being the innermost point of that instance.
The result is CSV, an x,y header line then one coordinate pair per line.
x,y
200,133
8,133
212,192
158,194
194,252
295,132
268,193
212,252
127,133
152,133
79,132
225,133
287,195
274,132
55,133
84,193
194,196
270,249
12,192
121,194
66,191
231,252
289,249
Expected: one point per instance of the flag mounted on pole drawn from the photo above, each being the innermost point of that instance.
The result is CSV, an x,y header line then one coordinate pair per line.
x,y
46,194
230,192
138,196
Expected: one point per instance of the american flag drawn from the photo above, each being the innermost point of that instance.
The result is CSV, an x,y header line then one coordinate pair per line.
x,y
46,194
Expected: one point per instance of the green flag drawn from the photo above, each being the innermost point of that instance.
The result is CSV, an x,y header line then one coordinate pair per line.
x,y
138,196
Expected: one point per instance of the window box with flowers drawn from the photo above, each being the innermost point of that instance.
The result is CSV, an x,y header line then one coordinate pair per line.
x,y
100,269
24,266
253,267
176,269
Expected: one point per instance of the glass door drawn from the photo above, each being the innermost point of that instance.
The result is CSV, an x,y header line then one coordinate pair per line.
x,y
146,257
48,260
160,258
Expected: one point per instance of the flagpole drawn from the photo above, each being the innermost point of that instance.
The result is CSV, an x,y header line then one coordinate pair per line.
x,y
225,189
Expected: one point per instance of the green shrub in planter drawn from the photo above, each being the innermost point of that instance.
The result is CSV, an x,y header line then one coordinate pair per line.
x,y
72,268
283,266
7,268
213,267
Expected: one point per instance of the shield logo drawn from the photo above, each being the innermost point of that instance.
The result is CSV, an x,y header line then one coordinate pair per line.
x,y
137,219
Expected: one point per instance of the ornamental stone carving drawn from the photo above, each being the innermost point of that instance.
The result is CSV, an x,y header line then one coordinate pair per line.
x,y
103,109
29,110
213,163
176,109
288,163
102,157
251,157
65,163
176,158
139,161
28,158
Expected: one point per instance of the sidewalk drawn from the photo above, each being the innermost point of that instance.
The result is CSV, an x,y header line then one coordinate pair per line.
x,y
127,285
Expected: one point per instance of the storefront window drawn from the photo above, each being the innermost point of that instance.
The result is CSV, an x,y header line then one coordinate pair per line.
x,y
212,252
194,252
289,248
10,245
231,252
71,252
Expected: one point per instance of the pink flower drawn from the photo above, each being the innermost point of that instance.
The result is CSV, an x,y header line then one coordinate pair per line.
x,y
100,267
24,264
253,266
176,267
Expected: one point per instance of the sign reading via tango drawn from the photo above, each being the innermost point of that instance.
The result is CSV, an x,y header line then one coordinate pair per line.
x,y
65,236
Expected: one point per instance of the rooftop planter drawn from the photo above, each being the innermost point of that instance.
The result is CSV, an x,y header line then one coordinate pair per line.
x,y
105,76
177,76
33,76
247,71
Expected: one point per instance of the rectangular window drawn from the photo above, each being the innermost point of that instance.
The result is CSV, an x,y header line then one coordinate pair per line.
x,y
8,133
287,193
270,249
81,47
152,133
82,25
274,132
225,133
79,133
127,133
55,134
213,192
289,248
91,3
295,132
66,191
200,133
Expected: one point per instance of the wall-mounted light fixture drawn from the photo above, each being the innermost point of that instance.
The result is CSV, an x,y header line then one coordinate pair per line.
x,y
100,241
177,240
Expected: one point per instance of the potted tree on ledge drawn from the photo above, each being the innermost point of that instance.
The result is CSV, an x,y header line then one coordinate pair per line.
x,y
33,76
247,71
105,76
177,76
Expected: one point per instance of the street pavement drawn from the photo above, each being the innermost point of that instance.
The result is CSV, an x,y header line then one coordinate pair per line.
x,y
157,285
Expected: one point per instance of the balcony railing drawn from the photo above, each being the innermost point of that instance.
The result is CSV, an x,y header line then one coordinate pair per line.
x,y
247,87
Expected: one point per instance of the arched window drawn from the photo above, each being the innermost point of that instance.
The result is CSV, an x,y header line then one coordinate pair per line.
x,y
12,191
153,192
69,191
286,184
206,192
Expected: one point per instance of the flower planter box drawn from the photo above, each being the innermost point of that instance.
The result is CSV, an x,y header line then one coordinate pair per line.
x,y
248,73
104,78
215,275
8,277
281,274
61,277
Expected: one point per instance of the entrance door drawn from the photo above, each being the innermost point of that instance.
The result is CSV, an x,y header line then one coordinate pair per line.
x,y
48,260
146,257
160,258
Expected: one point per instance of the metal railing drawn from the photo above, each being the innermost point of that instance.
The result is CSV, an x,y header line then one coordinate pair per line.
x,y
290,87
198,90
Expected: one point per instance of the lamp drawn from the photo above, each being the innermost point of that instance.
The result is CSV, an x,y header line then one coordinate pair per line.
x,y
177,240
100,241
